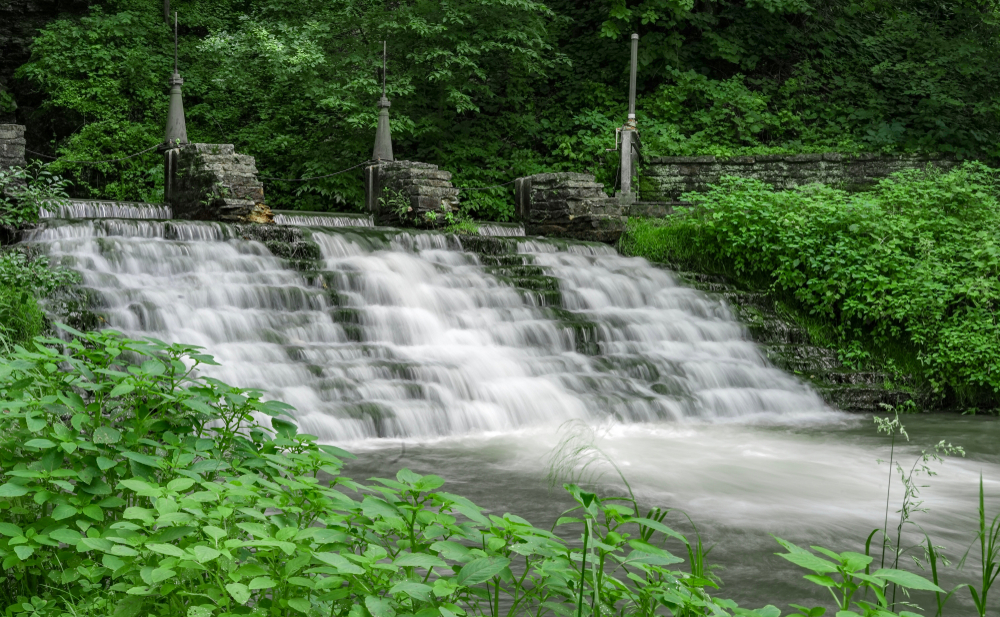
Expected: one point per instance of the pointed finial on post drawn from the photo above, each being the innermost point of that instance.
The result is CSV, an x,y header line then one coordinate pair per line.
x,y
176,132
383,138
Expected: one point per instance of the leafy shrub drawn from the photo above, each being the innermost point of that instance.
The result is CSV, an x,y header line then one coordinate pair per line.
x,y
26,278
915,260
20,318
25,191
131,486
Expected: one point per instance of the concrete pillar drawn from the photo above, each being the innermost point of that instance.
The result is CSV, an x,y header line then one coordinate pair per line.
x,y
383,137
11,146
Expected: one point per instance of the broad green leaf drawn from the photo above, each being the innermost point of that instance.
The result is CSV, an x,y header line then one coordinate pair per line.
x,y
907,579
417,591
10,530
421,560
262,582
24,551
379,607
481,570
121,390
810,562
337,561
302,605
204,554
12,490
167,549
43,444
66,536
107,435
161,574
239,592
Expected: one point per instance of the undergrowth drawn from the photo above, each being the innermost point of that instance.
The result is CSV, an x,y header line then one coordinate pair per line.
x,y
133,486
904,276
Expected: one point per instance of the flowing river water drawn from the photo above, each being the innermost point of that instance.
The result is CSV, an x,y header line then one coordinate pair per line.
x,y
472,359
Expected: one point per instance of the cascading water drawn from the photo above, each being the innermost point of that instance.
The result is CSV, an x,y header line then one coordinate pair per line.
x,y
400,334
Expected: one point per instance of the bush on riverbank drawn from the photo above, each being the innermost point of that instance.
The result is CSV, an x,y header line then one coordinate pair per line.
x,y
133,487
911,269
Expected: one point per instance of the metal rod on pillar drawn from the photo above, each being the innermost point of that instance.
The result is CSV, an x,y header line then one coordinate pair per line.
x,y
383,138
629,130
175,134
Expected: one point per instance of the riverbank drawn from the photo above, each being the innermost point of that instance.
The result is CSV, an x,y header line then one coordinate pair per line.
x,y
901,279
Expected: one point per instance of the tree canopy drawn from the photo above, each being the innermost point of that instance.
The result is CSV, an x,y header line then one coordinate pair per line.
x,y
495,89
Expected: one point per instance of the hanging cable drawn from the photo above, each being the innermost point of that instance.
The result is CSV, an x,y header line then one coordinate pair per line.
x,y
124,158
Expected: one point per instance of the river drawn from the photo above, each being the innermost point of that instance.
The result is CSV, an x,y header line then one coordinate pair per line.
x,y
471,360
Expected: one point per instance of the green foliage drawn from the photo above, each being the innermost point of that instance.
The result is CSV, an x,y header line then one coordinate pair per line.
x,y
25,191
845,574
20,318
132,486
26,278
913,261
493,91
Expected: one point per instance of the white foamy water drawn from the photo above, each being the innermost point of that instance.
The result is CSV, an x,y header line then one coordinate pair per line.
x,y
408,335
88,209
319,219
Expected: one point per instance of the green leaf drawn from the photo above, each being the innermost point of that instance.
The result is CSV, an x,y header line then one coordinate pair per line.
x,y
10,530
907,579
379,607
810,562
301,605
161,574
24,551
66,536
481,570
337,561
105,463
167,549
93,512
43,444
204,554
417,591
12,490
240,593
422,560
122,389
262,582
107,435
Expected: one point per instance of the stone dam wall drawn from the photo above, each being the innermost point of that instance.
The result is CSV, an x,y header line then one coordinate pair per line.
x,y
667,178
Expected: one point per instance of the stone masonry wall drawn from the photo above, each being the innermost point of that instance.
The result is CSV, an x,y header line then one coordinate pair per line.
x,y
568,205
408,193
667,178
11,145
210,182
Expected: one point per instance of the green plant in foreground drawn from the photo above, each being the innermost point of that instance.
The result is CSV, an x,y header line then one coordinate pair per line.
x,y
25,191
850,575
988,536
133,486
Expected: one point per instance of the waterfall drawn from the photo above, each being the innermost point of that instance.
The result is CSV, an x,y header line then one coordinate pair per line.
x,y
392,333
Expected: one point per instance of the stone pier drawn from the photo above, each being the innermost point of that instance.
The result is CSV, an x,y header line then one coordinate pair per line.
x,y
568,205
11,146
409,194
210,182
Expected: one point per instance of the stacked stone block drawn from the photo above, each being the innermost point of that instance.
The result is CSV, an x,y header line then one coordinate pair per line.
x,y
669,177
11,146
210,182
408,193
568,205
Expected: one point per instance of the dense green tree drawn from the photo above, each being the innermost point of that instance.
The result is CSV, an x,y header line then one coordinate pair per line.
x,y
492,90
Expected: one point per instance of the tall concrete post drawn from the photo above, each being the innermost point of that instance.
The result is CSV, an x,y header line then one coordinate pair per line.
x,y
383,137
629,141
176,131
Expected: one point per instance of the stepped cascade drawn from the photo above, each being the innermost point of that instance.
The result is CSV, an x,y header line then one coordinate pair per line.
x,y
375,332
